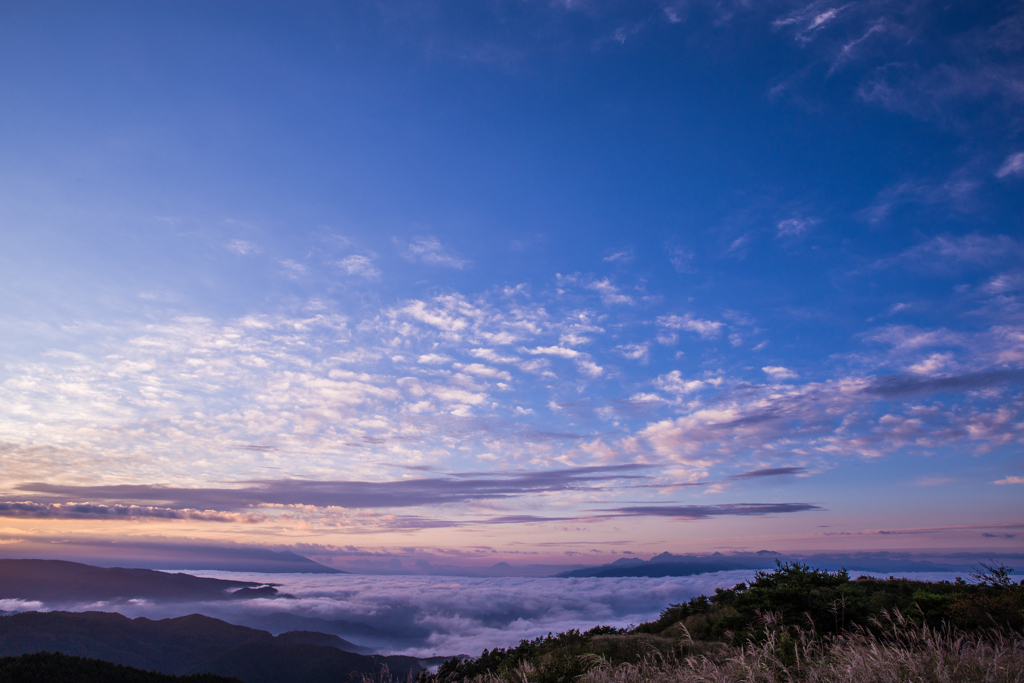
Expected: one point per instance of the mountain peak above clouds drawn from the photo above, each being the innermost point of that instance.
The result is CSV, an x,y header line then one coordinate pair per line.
x,y
669,564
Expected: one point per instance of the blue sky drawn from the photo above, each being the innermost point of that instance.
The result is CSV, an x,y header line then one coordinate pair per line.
x,y
513,278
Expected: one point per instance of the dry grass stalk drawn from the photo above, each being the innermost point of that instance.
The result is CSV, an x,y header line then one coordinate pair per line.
x,y
907,653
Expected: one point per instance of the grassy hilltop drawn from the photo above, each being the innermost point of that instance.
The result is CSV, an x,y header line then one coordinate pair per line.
x,y
791,624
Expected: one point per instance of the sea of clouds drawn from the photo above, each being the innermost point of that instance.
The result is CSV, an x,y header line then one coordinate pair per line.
x,y
438,615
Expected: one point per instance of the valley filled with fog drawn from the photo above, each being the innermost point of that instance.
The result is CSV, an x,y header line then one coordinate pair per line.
x,y
428,615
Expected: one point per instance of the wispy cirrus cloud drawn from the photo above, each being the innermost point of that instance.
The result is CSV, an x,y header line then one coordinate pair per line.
x,y
905,62
623,256
794,227
427,249
957,193
946,252
242,247
807,21
360,265
1012,166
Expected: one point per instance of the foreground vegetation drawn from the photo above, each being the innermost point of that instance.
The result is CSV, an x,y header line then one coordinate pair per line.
x,y
791,624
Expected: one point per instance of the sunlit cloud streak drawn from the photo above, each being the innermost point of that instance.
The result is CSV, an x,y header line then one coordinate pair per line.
x,y
353,494
30,510
705,511
768,472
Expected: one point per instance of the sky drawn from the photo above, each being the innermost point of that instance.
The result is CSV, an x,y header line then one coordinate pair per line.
x,y
511,280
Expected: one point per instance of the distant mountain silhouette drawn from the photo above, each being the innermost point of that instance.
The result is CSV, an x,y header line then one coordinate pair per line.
x,y
56,581
325,639
194,644
166,555
667,564
55,667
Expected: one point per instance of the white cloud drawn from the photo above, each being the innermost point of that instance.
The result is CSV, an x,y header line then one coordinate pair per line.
x,y
957,193
537,367
640,352
292,269
681,260
428,250
646,398
794,227
483,371
704,328
456,395
433,359
573,339
736,246
1010,480
1012,166
944,252
777,372
908,337
589,368
242,247
897,308
674,383
522,289
559,351
359,265
492,356
610,294
621,256
436,317
808,20
932,364
319,388
1005,282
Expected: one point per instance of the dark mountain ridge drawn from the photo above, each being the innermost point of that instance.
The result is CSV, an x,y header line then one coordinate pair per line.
x,y
57,581
195,644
